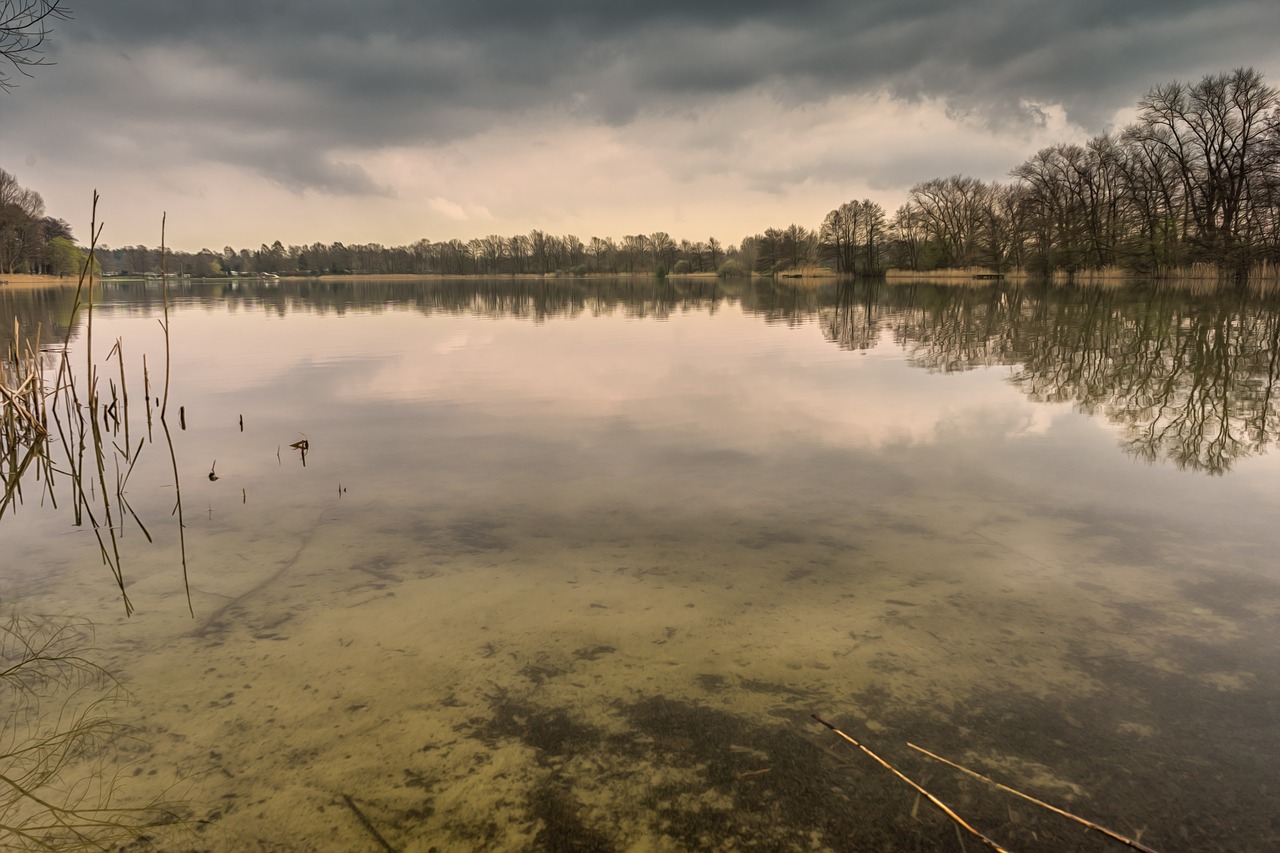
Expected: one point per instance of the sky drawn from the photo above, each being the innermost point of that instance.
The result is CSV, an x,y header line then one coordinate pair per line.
x,y
388,121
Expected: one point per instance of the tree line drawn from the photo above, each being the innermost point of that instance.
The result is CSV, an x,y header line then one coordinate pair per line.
x,y
1194,180
535,253
30,241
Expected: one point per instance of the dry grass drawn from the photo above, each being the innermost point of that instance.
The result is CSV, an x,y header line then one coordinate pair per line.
x,y
1094,275
1265,273
950,274
808,272
1260,274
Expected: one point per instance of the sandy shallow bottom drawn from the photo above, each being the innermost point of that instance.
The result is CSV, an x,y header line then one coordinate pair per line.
x,y
501,679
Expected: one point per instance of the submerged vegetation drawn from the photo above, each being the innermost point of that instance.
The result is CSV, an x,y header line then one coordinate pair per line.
x,y
59,742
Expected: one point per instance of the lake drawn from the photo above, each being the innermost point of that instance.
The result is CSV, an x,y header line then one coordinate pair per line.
x,y
569,564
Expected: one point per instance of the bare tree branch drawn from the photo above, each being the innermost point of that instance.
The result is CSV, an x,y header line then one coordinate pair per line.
x,y
24,26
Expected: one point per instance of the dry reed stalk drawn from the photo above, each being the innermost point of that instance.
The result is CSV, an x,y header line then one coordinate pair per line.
x,y
957,273
22,400
91,383
959,821
17,470
38,395
1111,274
112,559
1197,272
1264,271
164,293
1123,839
177,510
124,395
146,392
18,408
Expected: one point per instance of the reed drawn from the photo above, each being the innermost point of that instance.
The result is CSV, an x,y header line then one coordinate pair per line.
x,y
1112,274
950,274
1194,272
57,729
164,293
1265,274
1261,273
122,416
81,439
177,511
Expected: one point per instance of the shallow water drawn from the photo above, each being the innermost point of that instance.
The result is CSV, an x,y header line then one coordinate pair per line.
x,y
568,566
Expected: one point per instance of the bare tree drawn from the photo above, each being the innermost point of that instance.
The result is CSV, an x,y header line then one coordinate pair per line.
x,y
952,210
715,251
908,235
663,249
24,25
1216,133
21,224
838,238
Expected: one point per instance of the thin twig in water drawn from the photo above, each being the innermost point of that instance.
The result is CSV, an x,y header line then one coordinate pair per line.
x,y
1123,839
959,821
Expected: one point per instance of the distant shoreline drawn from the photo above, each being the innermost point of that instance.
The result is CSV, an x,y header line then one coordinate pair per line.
x,y
974,276
23,281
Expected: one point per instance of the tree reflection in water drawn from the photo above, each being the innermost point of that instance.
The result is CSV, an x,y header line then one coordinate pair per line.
x,y
1190,377
1189,374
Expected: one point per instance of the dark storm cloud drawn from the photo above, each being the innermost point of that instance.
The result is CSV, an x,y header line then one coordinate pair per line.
x,y
329,76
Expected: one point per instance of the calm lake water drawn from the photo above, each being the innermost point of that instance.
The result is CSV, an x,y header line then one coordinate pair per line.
x,y
569,565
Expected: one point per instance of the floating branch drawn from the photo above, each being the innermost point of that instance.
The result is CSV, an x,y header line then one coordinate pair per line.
x,y
1136,845
959,821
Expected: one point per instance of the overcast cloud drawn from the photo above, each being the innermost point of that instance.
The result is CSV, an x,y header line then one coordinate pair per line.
x,y
390,121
